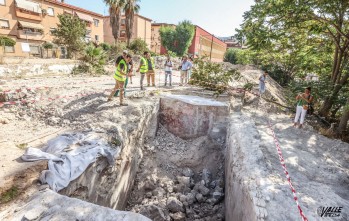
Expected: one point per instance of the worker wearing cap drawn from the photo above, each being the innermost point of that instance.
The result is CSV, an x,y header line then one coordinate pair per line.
x,y
129,71
120,78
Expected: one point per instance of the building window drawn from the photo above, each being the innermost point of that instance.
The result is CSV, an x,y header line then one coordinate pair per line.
x,y
52,30
123,34
2,2
96,37
96,22
50,11
34,49
9,49
4,24
123,21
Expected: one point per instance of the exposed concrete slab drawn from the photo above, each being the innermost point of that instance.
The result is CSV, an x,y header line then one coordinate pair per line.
x,y
243,199
192,116
49,205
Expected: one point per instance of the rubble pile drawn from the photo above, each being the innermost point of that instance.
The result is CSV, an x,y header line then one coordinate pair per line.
x,y
172,188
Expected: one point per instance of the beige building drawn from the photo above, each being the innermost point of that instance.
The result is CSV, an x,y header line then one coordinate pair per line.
x,y
156,39
30,24
141,29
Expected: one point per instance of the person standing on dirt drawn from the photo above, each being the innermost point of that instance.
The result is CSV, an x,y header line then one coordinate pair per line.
x,y
168,70
303,102
185,67
262,81
143,68
151,70
128,77
120,78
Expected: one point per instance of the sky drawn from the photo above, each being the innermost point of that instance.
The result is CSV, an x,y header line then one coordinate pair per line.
x,y
220,19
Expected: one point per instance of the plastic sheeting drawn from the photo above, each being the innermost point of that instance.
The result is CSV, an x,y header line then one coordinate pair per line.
x,y
68,157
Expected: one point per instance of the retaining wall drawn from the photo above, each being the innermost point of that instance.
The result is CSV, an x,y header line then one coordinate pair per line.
x,y
243,171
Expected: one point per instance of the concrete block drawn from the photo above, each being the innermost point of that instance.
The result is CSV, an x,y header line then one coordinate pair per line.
x,y
192,116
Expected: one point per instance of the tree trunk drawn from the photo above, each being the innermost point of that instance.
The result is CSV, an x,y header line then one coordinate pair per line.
x,y
337,63
343,123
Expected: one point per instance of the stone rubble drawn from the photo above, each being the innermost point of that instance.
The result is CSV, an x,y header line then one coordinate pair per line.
x,y
174,192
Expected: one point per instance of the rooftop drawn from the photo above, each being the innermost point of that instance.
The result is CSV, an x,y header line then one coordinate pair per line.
x,y
57,2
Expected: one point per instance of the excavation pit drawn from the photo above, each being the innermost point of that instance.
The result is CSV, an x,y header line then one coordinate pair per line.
x,y
173,171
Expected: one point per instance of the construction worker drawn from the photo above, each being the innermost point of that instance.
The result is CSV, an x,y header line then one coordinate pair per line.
x,y
151,70
143,68
120,78
129,74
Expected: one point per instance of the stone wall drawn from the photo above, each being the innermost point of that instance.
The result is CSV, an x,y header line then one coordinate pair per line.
x,y
110,186
36,67
244,171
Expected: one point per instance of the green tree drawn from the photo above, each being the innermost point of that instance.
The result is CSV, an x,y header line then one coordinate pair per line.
x,y
131,7
212,76
168,37
70,32
178,40
138,46
326,25
232,55
115,9
304,36
47,46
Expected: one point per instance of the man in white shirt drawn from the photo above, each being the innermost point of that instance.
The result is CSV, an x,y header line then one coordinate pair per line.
x,y
185,67
168,70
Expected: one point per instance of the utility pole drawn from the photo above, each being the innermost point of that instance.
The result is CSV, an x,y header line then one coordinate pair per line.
x,y
211,48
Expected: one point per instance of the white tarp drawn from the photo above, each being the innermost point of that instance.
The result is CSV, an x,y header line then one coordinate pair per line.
x,y
28,5
68,157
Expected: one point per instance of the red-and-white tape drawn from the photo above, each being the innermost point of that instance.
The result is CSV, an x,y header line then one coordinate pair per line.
x,y
282,161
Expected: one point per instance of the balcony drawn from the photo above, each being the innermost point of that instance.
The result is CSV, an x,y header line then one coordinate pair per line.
x,y
22,34
23,13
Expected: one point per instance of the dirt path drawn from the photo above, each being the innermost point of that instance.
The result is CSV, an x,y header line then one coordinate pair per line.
x,y
318,166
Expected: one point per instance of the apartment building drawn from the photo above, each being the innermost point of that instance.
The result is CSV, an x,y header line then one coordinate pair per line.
x,y
30,24
156,46
141,29
203,43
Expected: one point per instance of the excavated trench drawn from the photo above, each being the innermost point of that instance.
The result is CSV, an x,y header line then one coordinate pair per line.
x,y
170,168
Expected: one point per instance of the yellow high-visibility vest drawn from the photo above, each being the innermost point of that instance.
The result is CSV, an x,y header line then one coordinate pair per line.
x,y
118,76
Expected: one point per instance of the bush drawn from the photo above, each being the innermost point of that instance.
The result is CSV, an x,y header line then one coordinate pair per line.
x,y
116,50
138,46
231,55
172,54
6,41
94,59
212,76
105,46
47,45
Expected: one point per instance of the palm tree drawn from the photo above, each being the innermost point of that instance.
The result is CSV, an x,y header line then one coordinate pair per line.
x,y
131,8
115,9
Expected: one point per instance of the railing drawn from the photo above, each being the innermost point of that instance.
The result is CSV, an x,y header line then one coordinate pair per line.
x,y
23,34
